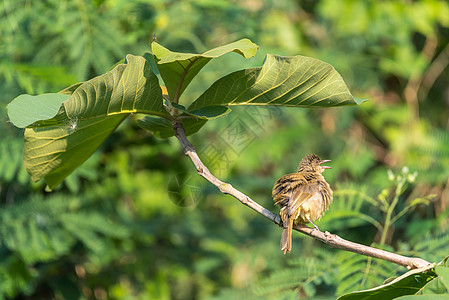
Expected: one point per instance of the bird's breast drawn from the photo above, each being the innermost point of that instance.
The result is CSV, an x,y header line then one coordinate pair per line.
x,y
314,207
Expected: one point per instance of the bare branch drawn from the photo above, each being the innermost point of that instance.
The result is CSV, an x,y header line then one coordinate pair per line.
x,y
331,240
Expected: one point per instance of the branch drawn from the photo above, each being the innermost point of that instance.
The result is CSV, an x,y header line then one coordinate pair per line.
x,y
433,72
331,240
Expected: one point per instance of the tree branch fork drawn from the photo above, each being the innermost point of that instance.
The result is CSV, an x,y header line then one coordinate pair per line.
x,y
329,239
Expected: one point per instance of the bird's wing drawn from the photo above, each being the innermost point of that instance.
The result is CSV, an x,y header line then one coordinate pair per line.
x,y
283,187
315,185
303,191
292,190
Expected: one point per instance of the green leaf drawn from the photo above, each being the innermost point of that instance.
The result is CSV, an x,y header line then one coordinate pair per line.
x,y
55,147
407,284
443,275
149,57
178,69
207,112
296,81
163,128
210,112
179,107
160,127
26,109
192,125
424,297
54,152
69,90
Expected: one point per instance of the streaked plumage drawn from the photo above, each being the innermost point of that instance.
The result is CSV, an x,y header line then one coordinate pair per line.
x,y
303,196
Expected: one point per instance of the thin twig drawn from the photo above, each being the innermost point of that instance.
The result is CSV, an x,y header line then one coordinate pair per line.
x,y
433,72
331,240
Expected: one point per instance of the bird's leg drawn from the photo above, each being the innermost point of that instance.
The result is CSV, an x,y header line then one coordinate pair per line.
x,y
316,227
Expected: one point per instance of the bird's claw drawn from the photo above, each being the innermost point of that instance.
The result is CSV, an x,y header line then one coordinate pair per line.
x,y
315,227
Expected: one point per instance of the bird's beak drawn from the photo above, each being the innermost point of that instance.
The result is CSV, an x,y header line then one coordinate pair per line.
x,y
324,161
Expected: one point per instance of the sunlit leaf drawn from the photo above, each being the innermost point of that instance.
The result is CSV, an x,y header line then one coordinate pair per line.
x,y
26,109
55,147
178,69
408,284
424,297
296,81
443,275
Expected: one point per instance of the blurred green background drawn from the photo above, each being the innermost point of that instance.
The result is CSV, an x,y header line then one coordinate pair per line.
x,y
137,222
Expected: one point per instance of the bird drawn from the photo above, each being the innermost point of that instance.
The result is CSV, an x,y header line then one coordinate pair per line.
x,y
303,196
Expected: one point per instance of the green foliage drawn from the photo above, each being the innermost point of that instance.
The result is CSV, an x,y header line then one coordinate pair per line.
x,y
408,284
420,281
391,45
346,271
69,30
38,231
58,141
356,272
12,169
305,276
185,240
285,81
178,69
35,78
432,247
55,146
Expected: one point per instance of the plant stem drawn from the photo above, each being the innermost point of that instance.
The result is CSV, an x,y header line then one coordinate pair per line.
x,y
390,211
331,240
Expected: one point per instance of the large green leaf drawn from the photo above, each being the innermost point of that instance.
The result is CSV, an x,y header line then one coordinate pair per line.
x,y
26,109
297,81
443,275
178,69
55,147
408,284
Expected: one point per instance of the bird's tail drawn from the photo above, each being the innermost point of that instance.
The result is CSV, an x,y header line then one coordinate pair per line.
x,y
286,239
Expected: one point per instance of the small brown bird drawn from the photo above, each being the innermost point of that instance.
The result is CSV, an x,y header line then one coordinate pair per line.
x,y
303,196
